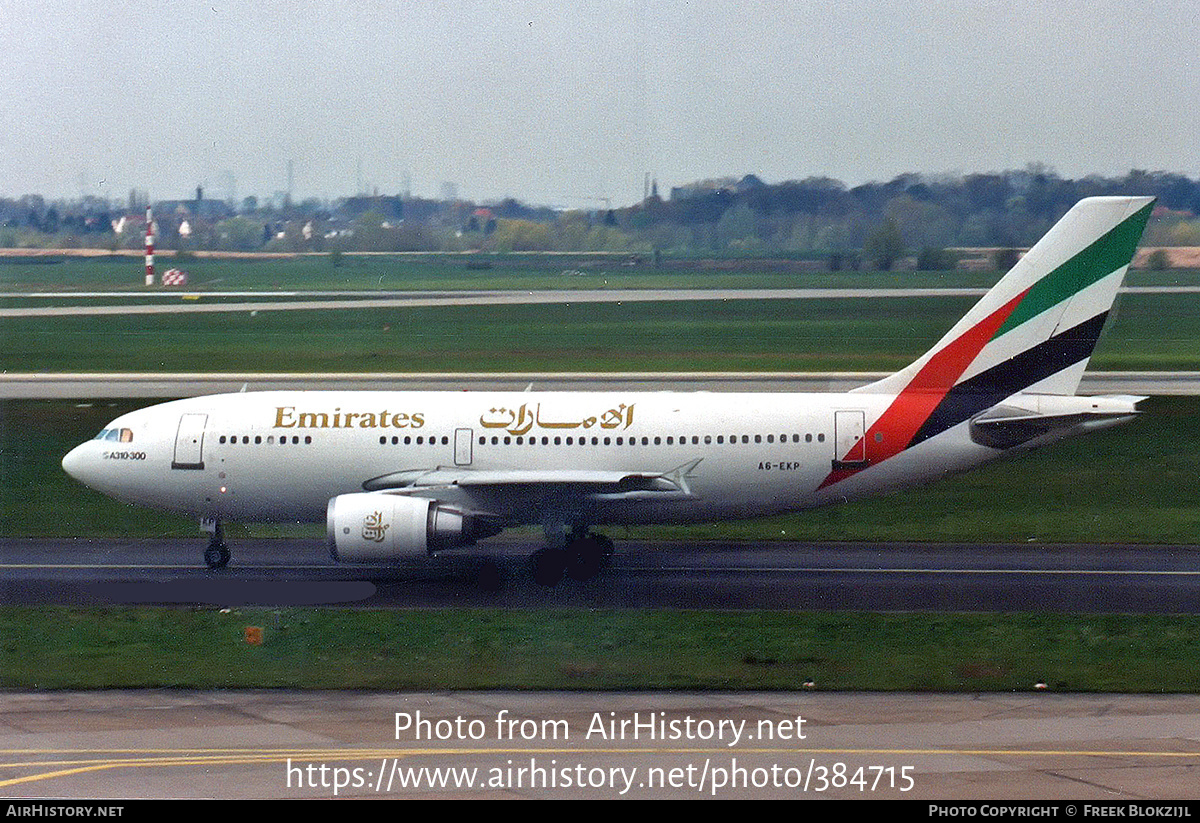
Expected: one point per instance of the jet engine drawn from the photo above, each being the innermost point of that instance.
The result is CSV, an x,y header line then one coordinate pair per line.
x,y
373,527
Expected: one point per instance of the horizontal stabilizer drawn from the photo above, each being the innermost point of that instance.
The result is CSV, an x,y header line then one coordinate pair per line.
x,y
1029,417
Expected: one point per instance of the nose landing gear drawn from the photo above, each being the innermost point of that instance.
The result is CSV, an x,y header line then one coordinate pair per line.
x,y
216,556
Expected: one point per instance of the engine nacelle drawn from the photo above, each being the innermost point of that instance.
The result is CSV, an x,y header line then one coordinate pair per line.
x,y
374,527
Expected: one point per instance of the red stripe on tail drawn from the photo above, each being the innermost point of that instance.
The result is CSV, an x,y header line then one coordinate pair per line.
x,y
913,405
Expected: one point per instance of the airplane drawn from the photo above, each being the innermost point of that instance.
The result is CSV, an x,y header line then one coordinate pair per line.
x,y
399,475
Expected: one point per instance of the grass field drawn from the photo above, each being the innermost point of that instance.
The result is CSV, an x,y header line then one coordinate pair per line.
x,y
1153,332
1134,483
443,272
547,649
449,271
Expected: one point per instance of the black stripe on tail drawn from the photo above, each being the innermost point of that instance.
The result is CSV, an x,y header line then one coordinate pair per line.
x,y
990,387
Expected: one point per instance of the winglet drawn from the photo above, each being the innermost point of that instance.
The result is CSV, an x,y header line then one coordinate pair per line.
x,y
680,474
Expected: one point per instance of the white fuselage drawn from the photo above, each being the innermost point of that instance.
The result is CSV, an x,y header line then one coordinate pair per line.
x,y
281,456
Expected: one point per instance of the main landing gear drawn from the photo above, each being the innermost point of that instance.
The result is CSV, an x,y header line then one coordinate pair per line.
x,y
216,556
583,556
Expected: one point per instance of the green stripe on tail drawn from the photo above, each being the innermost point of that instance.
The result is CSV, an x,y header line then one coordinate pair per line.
x,y
1102,258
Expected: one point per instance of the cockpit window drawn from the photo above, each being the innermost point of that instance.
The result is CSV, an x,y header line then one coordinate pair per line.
x,y
113,434
126,435
116,435
103,433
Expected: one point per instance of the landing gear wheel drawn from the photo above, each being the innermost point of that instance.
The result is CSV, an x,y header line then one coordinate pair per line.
x,y
585,557
216,556
548,566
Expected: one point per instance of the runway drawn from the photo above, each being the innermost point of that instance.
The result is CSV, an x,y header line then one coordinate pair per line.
x,y
165,385
879,577
195,302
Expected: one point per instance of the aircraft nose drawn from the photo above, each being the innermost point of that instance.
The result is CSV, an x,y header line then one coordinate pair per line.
x,y
75,463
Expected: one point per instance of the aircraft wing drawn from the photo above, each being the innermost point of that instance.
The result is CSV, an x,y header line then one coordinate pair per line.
x,y
577,481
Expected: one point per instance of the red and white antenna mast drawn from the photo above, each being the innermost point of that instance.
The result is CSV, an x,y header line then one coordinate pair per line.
x,y
149,247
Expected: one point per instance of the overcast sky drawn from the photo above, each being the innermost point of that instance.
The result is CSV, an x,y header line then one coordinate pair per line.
x,y
559,102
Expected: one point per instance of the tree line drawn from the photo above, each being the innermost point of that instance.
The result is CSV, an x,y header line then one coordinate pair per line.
x,y
922,216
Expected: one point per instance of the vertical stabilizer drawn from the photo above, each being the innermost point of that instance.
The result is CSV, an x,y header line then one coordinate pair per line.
x,y
1036,328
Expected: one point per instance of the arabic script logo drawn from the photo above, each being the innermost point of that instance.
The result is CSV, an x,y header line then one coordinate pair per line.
x,y
374,527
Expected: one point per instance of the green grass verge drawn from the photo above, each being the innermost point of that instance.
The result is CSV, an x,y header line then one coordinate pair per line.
x,y
60,648
450,272
1132,483
508,271
1155,332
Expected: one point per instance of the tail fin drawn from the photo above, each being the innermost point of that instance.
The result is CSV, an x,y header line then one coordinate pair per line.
x,y
1036,328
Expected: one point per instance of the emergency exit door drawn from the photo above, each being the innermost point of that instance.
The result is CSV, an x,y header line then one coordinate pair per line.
x,y
849,430
189,442
463,446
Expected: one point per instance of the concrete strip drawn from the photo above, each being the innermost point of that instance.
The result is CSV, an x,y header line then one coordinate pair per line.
x,y
1105,749
46,385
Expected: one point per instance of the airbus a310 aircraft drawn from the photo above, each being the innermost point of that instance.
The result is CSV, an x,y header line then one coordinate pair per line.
x,y
404,474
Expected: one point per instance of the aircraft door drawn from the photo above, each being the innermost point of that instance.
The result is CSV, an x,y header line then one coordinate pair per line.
x,y
463,446
189,442
850,442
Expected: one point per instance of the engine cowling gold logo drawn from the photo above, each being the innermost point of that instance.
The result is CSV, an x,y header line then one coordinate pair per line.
x,y
373,527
